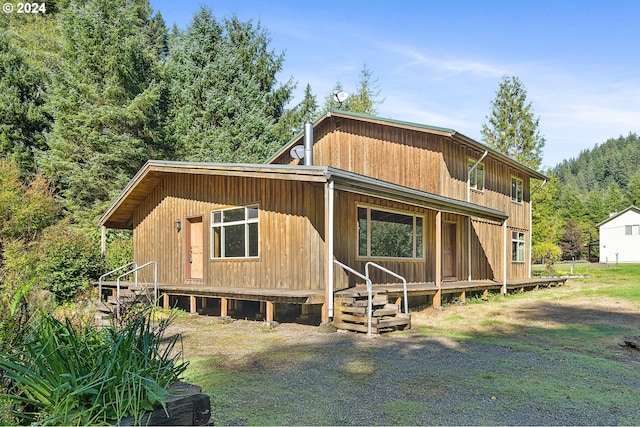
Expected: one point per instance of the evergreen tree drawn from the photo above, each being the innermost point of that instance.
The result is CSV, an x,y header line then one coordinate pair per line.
x,y
106,100
293,120
225,102
23,119
512,128
364,100
633,189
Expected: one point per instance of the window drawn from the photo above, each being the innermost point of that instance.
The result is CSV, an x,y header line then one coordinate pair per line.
x,y
385,234
517,246
476,176
234,233
516,189
628,230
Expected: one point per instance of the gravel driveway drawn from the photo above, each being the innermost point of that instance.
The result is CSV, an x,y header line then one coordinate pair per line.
x,y
293,375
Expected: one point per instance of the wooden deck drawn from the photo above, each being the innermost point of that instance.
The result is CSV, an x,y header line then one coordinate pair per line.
x,y
298,296
453,287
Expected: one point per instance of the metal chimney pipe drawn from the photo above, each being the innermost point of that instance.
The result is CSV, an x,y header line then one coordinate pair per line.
x,y
308,144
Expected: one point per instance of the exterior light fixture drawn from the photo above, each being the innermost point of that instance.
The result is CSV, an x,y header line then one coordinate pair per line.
x,y
178,225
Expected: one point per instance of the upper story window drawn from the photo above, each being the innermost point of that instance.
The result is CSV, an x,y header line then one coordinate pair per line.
x,y
517,246
234,233
387,234
632,230
517,187
476,176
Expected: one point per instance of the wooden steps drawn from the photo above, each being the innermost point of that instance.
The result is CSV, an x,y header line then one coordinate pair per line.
x,y
107,308
350,313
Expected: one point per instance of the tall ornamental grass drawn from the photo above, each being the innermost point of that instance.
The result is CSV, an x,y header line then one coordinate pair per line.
x,y
61,374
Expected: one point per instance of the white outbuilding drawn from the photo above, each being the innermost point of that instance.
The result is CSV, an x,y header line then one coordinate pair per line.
x,y
620,236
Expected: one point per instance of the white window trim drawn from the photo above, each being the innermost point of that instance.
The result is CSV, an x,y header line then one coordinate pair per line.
x,y
474,174
222,226
521,189
522,241
414,234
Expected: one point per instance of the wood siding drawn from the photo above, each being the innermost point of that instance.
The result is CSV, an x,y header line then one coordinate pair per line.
x,y
291,231
415,271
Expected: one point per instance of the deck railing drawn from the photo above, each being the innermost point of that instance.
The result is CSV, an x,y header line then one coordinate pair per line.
x,y
105,275
396,275
369,292
135,272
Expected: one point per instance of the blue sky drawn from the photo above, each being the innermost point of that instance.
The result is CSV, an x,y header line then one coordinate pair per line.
x,y
440,62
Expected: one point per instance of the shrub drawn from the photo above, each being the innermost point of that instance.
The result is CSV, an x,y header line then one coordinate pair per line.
x,y
66,260
68,375
546,252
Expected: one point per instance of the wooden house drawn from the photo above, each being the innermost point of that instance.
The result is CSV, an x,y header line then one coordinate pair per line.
x,y
432,205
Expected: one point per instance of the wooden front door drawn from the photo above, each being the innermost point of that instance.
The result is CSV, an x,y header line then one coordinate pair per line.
x,y
449,234
194,248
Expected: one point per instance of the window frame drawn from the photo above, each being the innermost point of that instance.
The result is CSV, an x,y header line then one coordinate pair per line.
x,y
628,230
521,246
222,225
414,236
473,175
519,196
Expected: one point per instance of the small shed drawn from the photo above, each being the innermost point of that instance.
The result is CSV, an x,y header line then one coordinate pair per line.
x,y
620,237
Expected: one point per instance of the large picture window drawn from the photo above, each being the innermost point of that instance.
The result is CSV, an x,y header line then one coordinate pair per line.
x,y
476,176
386,234
516,189
234,233
517,246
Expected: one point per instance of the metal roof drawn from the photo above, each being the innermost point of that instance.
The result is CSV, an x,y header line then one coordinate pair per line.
x,y
120,212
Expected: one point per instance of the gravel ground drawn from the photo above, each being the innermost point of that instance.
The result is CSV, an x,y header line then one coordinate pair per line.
x,y
294,375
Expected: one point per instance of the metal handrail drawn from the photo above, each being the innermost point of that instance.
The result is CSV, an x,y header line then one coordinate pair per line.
x,y
135,271
386,270
110,273
369,292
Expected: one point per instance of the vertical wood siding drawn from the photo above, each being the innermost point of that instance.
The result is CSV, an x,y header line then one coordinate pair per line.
x,y
290,231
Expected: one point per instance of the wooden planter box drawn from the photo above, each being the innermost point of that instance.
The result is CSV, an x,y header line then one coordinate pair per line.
x,y
186,406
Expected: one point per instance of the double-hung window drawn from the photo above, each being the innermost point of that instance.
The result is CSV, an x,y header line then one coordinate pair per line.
x,y
516,189
476,176
234,233
388,234
517,246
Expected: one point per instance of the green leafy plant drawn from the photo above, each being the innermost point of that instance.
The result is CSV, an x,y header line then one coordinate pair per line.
x,y
62,374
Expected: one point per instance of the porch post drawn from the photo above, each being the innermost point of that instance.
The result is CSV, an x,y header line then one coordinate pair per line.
x,y
224,307
437,298
506,258
103,240
327,307
469,246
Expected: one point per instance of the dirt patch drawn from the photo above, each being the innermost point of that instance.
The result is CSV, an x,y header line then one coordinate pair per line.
x,y
552,358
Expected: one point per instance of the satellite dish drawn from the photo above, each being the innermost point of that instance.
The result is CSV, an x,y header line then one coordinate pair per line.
x,y
297,152
340,97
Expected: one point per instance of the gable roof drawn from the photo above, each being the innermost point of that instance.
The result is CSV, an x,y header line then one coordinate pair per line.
x,y
120,212
612,217
456,136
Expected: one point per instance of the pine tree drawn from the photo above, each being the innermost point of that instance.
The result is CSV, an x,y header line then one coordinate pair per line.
x,y
364,100
225,102
512,128
22,111
106,101
293,120
633,189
